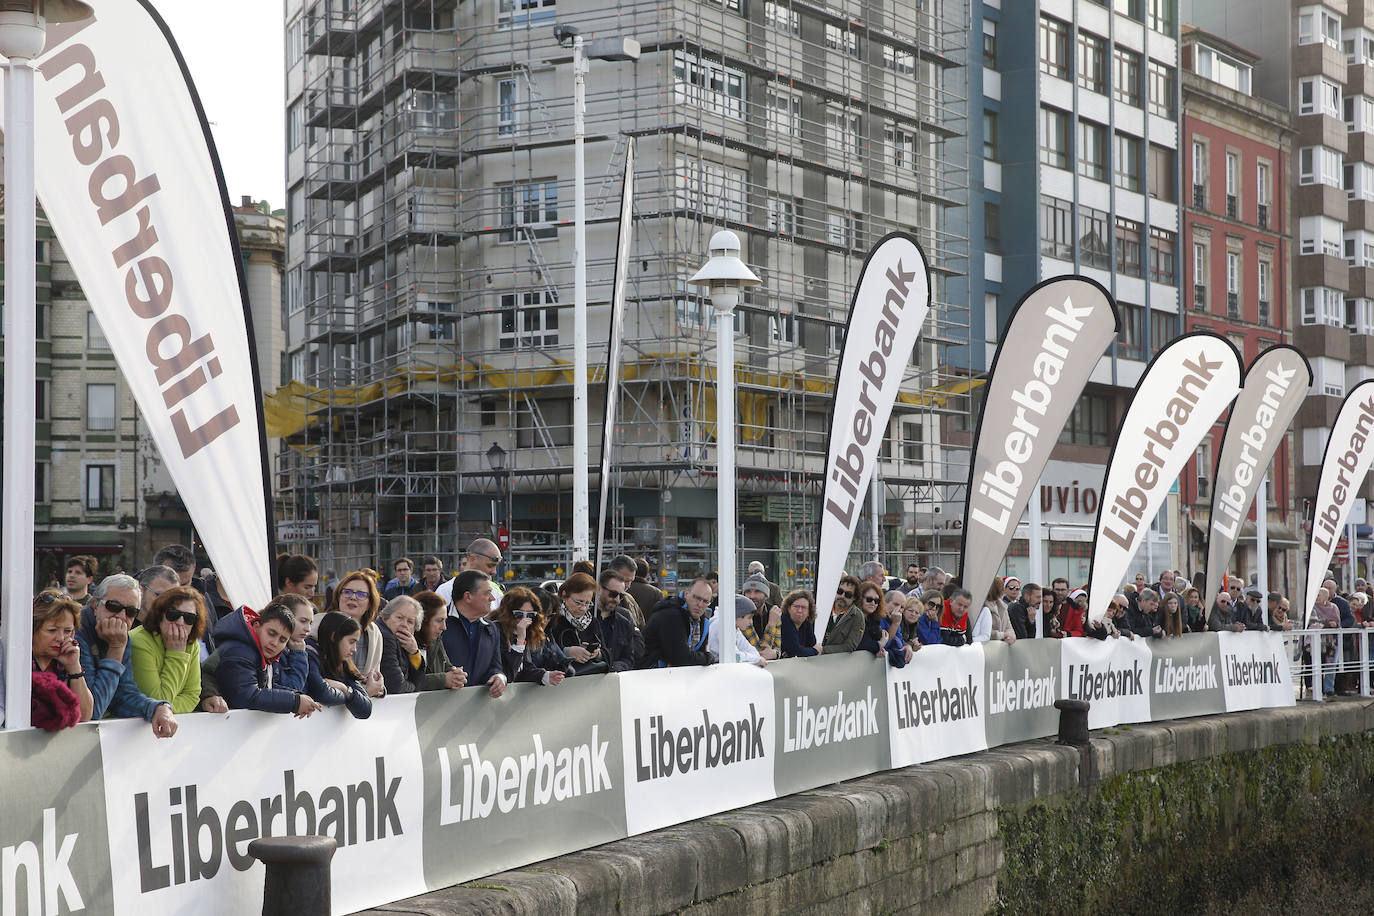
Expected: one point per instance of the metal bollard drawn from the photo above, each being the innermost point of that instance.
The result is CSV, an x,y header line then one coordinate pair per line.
x,y
1073,722
297,882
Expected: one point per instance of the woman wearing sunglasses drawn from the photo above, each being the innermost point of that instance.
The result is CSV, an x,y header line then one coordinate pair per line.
x,y
846,627
357,597
167,648
522,626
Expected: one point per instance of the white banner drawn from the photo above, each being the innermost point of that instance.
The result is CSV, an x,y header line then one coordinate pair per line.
x,y
613,341
885,319
1344,465
181,812
1113,675
1254,671
937,705
696,741
1182,392
128,176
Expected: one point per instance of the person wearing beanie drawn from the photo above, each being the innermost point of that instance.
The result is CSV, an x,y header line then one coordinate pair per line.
x,y
744,619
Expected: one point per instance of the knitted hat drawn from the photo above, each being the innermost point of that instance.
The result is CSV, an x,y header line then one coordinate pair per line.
x,y
743,606
755,583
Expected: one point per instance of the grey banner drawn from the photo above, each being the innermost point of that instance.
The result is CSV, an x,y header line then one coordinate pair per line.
x,y
534,774
1023,681
1051,345
1185,677
832,720
52,821
1273,389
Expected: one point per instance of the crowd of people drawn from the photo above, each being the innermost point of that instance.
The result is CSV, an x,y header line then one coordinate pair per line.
x,y
166,642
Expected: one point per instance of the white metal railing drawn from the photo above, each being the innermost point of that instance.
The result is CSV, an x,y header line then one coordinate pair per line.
x,y
1305,657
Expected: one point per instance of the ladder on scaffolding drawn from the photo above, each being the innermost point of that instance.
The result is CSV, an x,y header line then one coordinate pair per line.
x,y
536,102
540,264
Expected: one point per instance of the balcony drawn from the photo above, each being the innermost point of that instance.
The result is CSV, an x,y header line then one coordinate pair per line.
x,y
1200,197
1232,207
1262,216
1199,297
1233,306
1264,312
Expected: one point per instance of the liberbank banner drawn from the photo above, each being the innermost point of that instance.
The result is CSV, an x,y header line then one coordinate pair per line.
x,y
451,786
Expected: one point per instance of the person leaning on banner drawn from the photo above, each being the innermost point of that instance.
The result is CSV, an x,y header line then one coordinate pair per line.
x,y
846,628
61,697
1278,613
256,669
1020,613
520,620
744,649
402,664
678,629
166,654
845,593
954,622
336,636
797,631
1249,613
765,625
357,596
1221,616
622,643
327,691
1143,619
471,641
575,629
439,671
107,657
1068,619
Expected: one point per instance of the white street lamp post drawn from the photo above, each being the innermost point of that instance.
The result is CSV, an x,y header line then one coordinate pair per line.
x,y
22,36
725,275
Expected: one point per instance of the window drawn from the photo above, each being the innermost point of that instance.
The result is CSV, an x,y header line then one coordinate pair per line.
x,y
1090,423
1161,173
899,60
1129,8
1163,328
711,188
1126,76
1320,235
1200,274
1128,247
1161,16
707,84
782,17
295,42
42,473
990,135
1127,162
432,111
782,215
990,43
40,398
100,407
1092,62
1322,305
1359,46
1316,24
1130,340
840,39
1262,194
1199,174
1359,248
1094,239
842,130
783,111
913,440
295,298
1319,165
1222,69
521,13
528,320
295,208
1056,228
1233,273
550,424
1359,113
1328,376
1162,255
533,204
1054,138
1233,185
992,227
95,335
1203,467
1054,47
100,487
1319,96
839,229
902,144
1264,284
1359,180
1092,150
1359,315
295,124
507,107
1161,86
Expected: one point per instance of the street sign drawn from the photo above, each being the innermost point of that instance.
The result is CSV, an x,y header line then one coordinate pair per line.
x,y
297,530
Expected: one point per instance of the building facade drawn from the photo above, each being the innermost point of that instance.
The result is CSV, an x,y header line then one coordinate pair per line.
x,y
1080,175
430,270
1237,273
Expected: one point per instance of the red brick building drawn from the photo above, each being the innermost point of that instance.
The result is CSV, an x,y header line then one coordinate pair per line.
x,y
1237,264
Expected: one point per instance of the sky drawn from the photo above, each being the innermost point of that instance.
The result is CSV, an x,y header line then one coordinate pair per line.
x,y
235,54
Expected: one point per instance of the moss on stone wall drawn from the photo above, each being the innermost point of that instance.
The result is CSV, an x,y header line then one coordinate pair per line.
x,y
1285,828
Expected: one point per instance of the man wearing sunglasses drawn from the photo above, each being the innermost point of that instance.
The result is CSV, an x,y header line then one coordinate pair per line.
x,y
484,557
107,657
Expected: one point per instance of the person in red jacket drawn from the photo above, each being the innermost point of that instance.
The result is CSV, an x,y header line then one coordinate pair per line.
x,y
1071,614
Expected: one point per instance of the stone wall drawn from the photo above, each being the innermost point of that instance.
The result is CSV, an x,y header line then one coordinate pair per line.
x,y
1266,811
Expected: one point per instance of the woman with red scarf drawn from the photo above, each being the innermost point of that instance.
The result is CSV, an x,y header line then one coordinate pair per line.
x,y
60,696
1070,615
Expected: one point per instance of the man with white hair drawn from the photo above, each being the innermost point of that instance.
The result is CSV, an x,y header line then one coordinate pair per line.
x,y
774,593
107,656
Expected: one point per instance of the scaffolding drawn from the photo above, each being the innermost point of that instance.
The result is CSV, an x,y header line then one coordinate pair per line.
x,y
434,237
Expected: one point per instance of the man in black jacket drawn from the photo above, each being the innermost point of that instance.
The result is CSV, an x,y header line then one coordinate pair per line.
x,y
1021,610
676,632
1142,620
621,642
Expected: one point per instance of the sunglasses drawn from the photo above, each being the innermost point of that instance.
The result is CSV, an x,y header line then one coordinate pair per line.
x,y
614,595
933,605
353,593
527,615
114,607
871,599
844,594
184,616
488,557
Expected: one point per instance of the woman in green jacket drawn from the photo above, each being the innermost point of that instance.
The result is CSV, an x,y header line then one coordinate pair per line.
x,y
166,648
439,671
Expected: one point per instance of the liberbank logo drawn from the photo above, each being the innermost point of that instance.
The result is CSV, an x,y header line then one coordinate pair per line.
x,y
939,705
1173,677
1252,672
1008,694
40,873
202,838
1086,684
805,726
661,751
505,784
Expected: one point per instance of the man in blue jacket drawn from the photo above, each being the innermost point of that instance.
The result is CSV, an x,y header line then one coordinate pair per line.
x,y
474,644
107,657
257,669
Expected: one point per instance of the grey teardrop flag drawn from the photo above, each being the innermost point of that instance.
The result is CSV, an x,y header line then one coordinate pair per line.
x,y
1275,385
1051,345
1344,464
